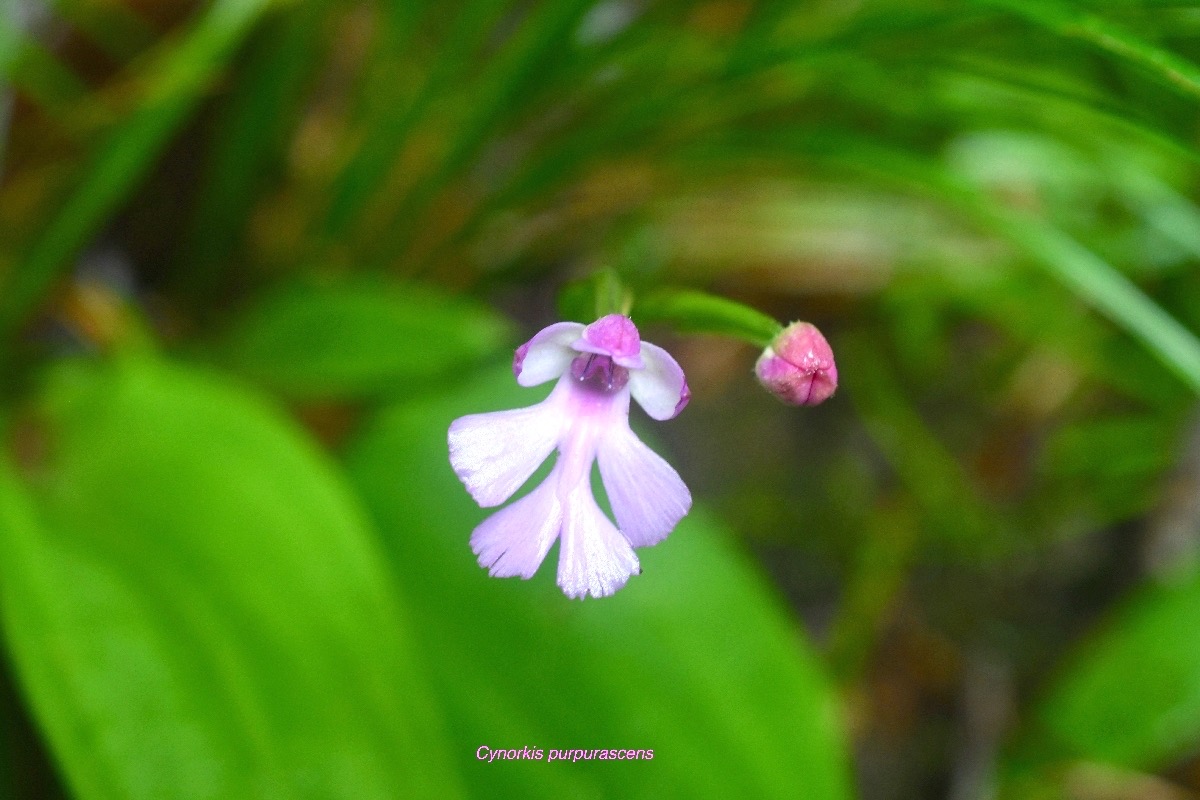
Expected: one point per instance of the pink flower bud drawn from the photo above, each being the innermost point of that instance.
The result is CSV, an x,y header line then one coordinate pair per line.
x,y
798,366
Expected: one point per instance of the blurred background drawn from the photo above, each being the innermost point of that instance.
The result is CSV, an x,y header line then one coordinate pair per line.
x,y
255,256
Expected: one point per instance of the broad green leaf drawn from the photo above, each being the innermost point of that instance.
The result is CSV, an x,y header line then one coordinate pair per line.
x,y
196,605
1131,696
694,659
359,339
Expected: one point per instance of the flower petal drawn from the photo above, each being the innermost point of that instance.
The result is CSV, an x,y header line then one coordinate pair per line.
x,y
547,355
515,540
647,495
594,558
660,388
493,454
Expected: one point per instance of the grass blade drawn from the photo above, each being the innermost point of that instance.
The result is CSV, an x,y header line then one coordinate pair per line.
x,y
175,87
1092,278
249,135
1110,37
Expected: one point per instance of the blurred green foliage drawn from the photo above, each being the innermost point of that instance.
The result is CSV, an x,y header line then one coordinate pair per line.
x,y
703,660
153,586
255,256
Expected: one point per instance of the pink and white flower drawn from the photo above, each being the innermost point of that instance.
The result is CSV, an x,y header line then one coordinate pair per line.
x,y
798,366
586,418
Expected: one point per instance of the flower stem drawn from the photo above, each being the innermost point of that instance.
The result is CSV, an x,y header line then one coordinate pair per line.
x,y
691,311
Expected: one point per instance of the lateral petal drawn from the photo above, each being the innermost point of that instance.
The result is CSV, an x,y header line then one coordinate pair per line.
x,y
661,387
547,355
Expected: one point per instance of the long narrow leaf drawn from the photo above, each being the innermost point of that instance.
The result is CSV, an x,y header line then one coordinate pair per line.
x,y
1110,37
1092,278
249,135
176,85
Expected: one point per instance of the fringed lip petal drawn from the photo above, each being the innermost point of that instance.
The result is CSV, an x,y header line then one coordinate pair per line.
x,y
494,454
514,541
660,388
647,496
548,354
594,558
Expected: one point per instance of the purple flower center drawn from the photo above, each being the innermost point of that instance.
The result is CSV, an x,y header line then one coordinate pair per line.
x,y
598,373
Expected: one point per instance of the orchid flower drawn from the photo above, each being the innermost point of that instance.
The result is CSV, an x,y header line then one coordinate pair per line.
x,y
586,418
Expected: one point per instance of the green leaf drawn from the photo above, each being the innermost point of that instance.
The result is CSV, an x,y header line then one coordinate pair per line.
x,y
694,659
359,339
690,311
174,85
512,76
1065,20
46,81
1104,288
1132,695
1090,277
250,137
196,605
116,29
392,123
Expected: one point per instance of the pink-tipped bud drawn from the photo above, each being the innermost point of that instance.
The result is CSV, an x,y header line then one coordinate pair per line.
x,y
798,366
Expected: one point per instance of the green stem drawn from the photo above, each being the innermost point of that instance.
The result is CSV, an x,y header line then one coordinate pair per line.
x,y
690,311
